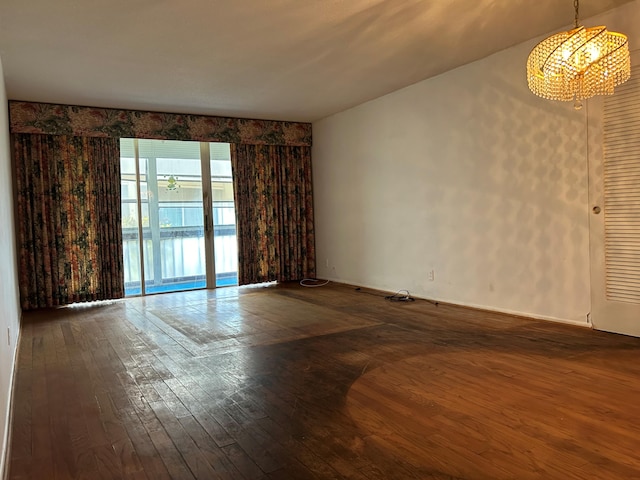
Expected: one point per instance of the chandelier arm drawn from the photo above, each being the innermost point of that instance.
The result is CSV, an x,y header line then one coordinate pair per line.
x,y
574,32
609,54
601,31
576,6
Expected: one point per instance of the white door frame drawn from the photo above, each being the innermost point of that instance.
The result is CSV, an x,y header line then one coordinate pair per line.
x,y
606,314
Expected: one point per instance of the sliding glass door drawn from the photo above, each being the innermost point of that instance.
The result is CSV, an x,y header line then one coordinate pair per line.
x,y
174,237
223,214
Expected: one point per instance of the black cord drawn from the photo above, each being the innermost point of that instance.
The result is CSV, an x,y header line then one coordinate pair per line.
x,y
396,297
399,296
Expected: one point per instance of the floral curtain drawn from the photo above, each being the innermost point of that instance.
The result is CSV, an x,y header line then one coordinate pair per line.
x,y
274,209
69,235
52,119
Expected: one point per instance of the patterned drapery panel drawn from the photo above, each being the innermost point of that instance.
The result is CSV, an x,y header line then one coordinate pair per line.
x,y
51,119
69,235
274,209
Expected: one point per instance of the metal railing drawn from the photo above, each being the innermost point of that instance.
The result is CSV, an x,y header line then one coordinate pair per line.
x,y
182,258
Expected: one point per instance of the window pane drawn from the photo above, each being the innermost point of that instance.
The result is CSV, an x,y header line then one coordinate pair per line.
x,y
130,221
224,218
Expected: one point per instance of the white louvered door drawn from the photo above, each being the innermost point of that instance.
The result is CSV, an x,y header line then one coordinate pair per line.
x,y
615,216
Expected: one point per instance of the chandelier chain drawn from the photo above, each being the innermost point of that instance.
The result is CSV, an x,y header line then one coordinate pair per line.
x,y
576,6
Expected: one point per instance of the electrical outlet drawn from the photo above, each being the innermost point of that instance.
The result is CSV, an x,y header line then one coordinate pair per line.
x,y
432,275
326,262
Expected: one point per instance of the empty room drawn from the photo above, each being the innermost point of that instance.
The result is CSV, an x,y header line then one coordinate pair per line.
x,y
367,240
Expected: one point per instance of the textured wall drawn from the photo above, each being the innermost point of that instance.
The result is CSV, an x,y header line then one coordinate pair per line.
x,y
468,175
9,312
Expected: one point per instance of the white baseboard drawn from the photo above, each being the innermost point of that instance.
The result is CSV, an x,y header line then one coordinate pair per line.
x,y
487,308
6,450
546,318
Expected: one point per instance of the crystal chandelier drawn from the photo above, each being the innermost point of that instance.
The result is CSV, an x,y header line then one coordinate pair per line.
x,y
579,63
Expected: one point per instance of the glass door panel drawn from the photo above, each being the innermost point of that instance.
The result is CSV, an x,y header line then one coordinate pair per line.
x,y
224,215
170,175
130,218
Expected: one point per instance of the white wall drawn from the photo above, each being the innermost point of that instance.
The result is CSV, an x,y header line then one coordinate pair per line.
x,y
467,174
9,304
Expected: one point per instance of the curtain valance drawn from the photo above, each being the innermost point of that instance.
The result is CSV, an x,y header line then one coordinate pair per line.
x,y
51,119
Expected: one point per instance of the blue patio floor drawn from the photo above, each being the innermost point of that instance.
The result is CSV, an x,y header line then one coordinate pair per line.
x,y
180,286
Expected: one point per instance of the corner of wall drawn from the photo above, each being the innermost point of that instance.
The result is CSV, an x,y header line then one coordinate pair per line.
x,y
5,454
10,316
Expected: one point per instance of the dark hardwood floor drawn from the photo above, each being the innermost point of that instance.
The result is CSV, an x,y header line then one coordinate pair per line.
x,y
285,382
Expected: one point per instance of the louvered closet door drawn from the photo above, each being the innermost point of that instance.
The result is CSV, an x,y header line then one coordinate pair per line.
x,y
615,216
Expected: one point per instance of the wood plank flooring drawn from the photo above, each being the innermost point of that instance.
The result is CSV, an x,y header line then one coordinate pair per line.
x,y
284,382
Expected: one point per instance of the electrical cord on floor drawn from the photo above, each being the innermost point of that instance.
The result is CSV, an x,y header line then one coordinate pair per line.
x,y
396,297
399,296
305,282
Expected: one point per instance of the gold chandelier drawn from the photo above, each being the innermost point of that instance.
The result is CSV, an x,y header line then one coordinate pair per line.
x,y
578,64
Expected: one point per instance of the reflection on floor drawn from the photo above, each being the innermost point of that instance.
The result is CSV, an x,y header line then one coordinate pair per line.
x,y
283,382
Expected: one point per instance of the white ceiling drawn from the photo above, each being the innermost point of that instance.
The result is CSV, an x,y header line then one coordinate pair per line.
x,y
298,60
